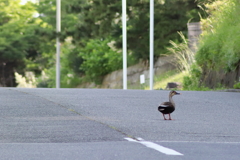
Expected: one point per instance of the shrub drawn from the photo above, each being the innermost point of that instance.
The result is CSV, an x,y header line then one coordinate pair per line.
x,y
236,85
193,82
220,42
99,59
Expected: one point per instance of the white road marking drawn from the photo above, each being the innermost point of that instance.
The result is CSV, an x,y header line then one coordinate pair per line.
x,y
155,146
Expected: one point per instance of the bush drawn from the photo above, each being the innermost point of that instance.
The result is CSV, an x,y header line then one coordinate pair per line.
x,y
70,71
219,47
236,85
99,59
220,42
193,82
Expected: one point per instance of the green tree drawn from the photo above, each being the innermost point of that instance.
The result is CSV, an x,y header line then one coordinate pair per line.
x,y
26,41
102,18
86,21
170,16
16,38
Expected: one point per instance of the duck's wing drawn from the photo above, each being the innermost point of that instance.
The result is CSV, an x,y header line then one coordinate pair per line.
x,y
166,104
166,107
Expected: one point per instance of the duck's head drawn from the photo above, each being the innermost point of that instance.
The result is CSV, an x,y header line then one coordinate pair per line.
x,y
172,93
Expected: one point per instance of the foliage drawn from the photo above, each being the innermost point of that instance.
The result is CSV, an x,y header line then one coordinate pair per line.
x,y
70,74
14,21
24,41
191,81
27,41
236,85
99,59
85,20
17,38
185,62
184,57
94,61
168,19
220,43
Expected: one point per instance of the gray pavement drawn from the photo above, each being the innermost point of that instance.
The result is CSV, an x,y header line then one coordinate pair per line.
x,y
92,124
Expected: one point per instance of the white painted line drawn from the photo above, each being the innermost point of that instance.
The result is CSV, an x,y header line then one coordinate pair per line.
x,y
155,146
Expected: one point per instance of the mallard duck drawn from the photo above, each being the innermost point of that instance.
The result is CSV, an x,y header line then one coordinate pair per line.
x,y
168,107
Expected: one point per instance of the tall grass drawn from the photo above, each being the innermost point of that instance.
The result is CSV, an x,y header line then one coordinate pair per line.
x,y
184,57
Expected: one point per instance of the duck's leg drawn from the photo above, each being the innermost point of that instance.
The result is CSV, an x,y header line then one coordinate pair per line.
x,y
169,117
164,117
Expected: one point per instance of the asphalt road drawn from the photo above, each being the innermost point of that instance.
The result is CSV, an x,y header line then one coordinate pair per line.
x,y
101,124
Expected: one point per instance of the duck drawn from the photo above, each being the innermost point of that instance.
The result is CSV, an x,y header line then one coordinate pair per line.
x,y
168,107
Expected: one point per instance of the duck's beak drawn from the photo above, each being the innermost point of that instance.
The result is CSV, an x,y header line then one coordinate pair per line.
x,y
178,93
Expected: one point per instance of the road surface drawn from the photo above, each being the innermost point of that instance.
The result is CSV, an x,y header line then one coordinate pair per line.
x,y
108,124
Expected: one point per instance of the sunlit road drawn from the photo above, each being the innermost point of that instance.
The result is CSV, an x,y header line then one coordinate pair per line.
x,y
97,124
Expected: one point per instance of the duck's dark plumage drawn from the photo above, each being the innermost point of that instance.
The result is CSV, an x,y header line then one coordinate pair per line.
x,y
168,107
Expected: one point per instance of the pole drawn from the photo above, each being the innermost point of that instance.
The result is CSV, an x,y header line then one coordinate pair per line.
x,y
58,49
124,39
151,56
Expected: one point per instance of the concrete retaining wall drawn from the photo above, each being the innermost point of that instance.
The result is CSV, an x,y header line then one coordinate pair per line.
x,y
114,79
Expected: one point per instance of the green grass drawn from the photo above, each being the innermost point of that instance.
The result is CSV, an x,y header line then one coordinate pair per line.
x,y
160,81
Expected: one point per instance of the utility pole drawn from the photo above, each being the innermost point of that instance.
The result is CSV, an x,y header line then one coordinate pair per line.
x,y
151,46
58,47
124,41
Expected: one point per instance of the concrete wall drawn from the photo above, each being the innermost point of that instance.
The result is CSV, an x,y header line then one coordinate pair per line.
x,y
114,79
